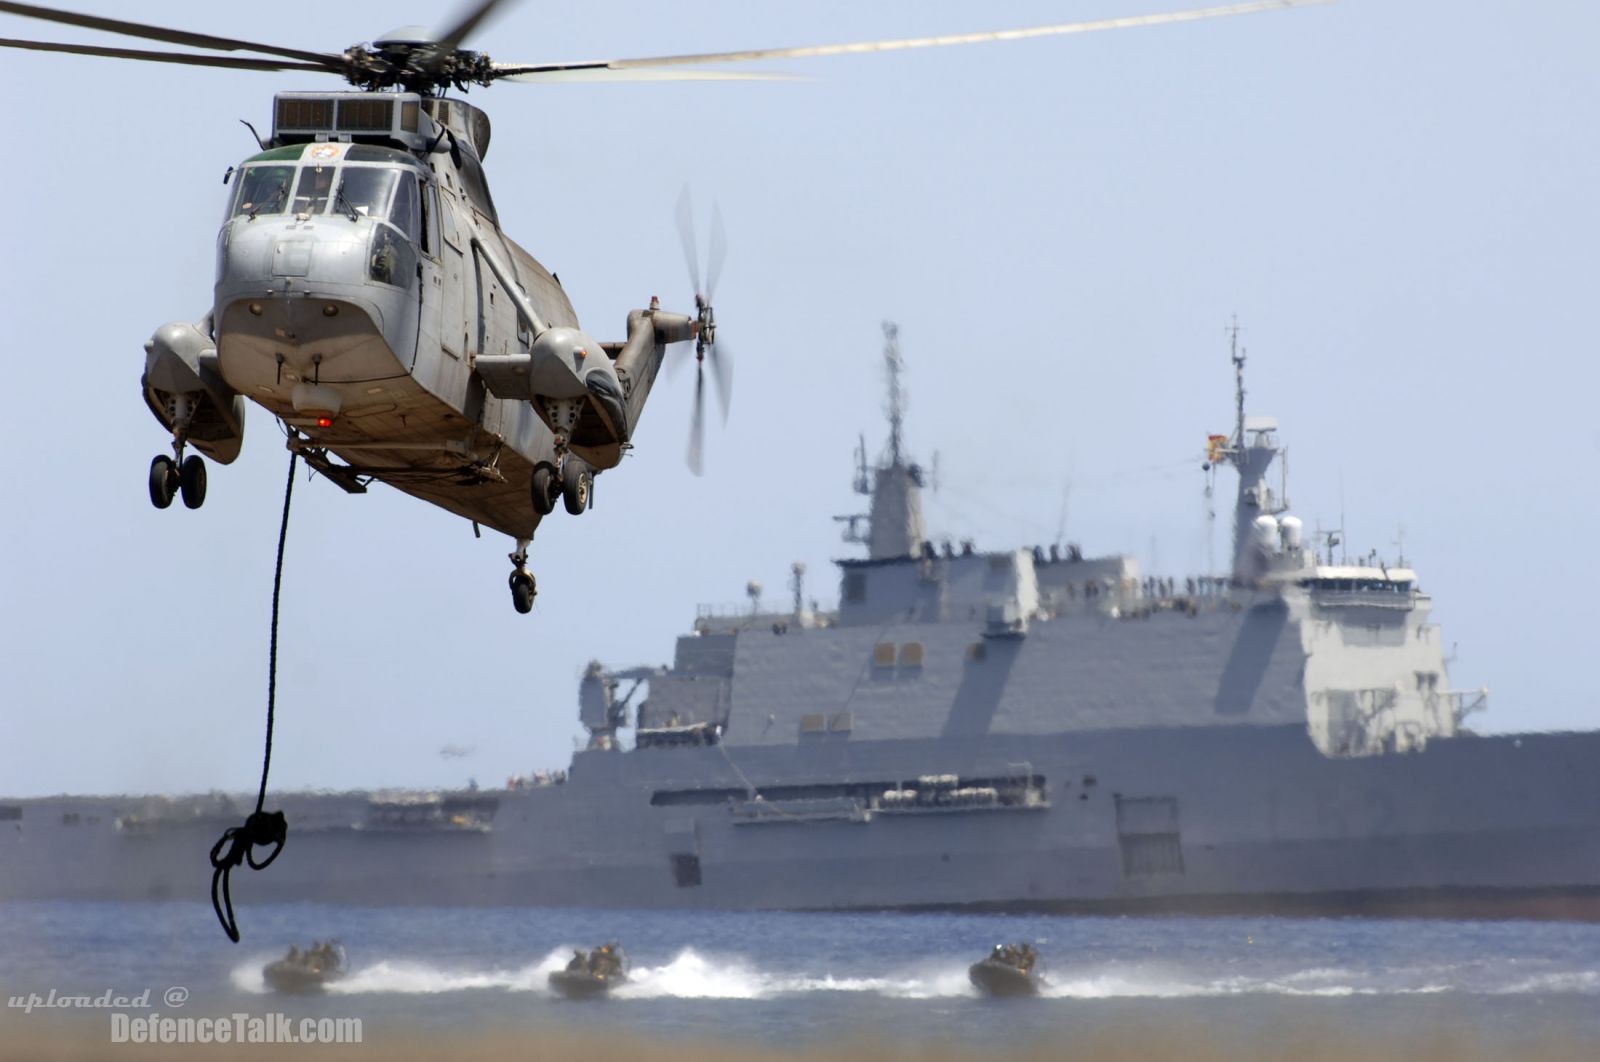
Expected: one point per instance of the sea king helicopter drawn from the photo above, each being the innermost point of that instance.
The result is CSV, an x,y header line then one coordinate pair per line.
x,y
367,298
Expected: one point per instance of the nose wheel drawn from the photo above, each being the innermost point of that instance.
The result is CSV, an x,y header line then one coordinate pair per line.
x,y
524,588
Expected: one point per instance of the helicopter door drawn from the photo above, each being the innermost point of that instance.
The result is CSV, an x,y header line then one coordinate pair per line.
x,y
432,273
453,318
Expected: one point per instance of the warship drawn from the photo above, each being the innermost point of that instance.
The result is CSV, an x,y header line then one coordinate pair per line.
x,y
1016,730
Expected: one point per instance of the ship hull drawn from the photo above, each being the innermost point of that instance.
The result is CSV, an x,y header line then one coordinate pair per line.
x,y
1251,820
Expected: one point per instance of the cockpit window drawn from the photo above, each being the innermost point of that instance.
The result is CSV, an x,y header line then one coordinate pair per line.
x,y
394,255
311,194
263,190
405,214
393,259
365,190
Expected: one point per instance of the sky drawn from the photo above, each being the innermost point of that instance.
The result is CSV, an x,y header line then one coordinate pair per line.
x,y
1396,199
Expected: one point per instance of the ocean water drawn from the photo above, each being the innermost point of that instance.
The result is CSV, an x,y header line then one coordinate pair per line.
x,y
797,980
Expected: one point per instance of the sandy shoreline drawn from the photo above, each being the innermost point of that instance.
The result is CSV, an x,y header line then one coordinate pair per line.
x,y
50,1040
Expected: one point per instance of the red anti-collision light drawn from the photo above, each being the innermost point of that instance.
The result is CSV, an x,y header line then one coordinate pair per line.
x,y
324,422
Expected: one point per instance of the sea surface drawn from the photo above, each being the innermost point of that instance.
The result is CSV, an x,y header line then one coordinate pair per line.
x,y
797,980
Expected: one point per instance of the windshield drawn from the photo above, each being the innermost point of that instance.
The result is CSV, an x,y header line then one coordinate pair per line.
x,y
263,190
311,194
365,190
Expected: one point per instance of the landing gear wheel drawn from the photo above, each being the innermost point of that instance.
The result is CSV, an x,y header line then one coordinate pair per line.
x,y
544,490
163,481
192,481
522,591
576,482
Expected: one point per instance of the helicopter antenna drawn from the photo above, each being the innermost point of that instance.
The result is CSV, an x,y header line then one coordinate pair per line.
x,y
259,142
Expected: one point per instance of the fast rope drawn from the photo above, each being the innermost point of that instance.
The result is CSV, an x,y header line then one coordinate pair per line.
x,y
262,828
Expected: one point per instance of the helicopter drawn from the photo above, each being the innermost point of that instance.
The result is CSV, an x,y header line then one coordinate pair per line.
x,y
367,298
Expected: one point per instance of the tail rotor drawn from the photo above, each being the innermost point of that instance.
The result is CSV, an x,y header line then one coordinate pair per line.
x,y
705,343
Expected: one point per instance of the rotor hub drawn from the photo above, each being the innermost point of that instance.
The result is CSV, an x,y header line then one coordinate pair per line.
x,y
414,66
705,327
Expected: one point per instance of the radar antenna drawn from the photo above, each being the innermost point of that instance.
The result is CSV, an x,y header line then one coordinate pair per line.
x,y
1238,380
797,586
897,398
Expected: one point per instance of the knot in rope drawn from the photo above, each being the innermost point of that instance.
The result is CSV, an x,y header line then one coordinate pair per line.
x,y
261,830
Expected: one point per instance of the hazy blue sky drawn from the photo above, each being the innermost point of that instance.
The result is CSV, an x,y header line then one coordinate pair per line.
x,y
1398,199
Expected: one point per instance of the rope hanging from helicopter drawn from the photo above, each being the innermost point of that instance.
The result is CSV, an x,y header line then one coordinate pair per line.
x,y
262,828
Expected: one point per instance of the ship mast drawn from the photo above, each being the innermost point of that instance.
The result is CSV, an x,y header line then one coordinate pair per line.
x,y
1238,381
894,520
896,410
1251,451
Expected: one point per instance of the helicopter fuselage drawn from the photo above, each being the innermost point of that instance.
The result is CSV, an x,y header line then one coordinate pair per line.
x,y
362,336
367,298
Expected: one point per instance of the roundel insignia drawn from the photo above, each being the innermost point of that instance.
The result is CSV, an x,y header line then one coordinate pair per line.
x,y
322,151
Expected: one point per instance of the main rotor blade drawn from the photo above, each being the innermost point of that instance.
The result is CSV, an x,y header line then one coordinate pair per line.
x,y
697,425
859,47
469,21
187,58
691,252
157,33
718,253
528,74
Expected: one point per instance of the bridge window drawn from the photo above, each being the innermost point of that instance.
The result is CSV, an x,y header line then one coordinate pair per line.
x,y
1393,586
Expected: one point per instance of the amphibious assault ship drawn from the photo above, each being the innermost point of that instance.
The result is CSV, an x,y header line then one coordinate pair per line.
x,y
1021,729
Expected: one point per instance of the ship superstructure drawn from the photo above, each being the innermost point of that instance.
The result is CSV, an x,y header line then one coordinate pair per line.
x,y
930,640
1008,729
